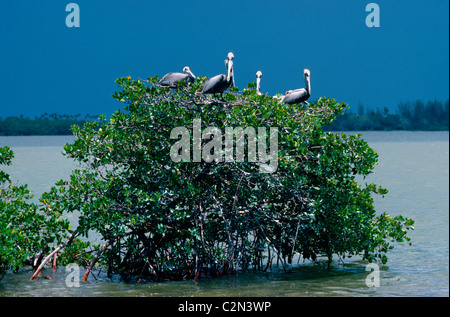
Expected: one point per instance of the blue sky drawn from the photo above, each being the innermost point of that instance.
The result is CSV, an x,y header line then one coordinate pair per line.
x,y
47,67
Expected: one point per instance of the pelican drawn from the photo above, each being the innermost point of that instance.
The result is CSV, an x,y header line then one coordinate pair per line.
x,y
258,82
281,98
172,79
220,83
299,95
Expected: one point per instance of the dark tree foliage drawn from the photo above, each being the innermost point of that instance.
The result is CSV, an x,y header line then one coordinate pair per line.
x,y
432,115
46,124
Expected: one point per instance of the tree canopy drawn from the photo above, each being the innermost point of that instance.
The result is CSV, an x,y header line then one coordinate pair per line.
x,y
162,218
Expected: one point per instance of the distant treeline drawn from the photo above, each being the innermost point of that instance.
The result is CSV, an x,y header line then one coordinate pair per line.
x,y
46,124
416,115
432,115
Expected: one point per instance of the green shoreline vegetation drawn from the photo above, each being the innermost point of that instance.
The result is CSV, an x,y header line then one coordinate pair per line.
x,y
432,115
46,124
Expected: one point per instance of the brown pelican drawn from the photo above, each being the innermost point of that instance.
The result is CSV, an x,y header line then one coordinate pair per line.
x,y
172,79
281,98
220,83
258,82
299,95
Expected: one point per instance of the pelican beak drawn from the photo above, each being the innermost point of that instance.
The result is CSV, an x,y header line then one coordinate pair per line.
x,y
192,74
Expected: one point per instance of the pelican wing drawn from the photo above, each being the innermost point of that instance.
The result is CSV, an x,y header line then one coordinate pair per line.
x,y
171,79
296,96
216,84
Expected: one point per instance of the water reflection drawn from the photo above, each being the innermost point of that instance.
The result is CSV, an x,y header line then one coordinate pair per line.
x,y
306,280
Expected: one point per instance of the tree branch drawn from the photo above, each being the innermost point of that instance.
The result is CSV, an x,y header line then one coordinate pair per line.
x,y
58,248
96,257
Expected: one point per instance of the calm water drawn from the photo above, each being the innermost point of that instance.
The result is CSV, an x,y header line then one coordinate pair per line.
x,y
414,166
